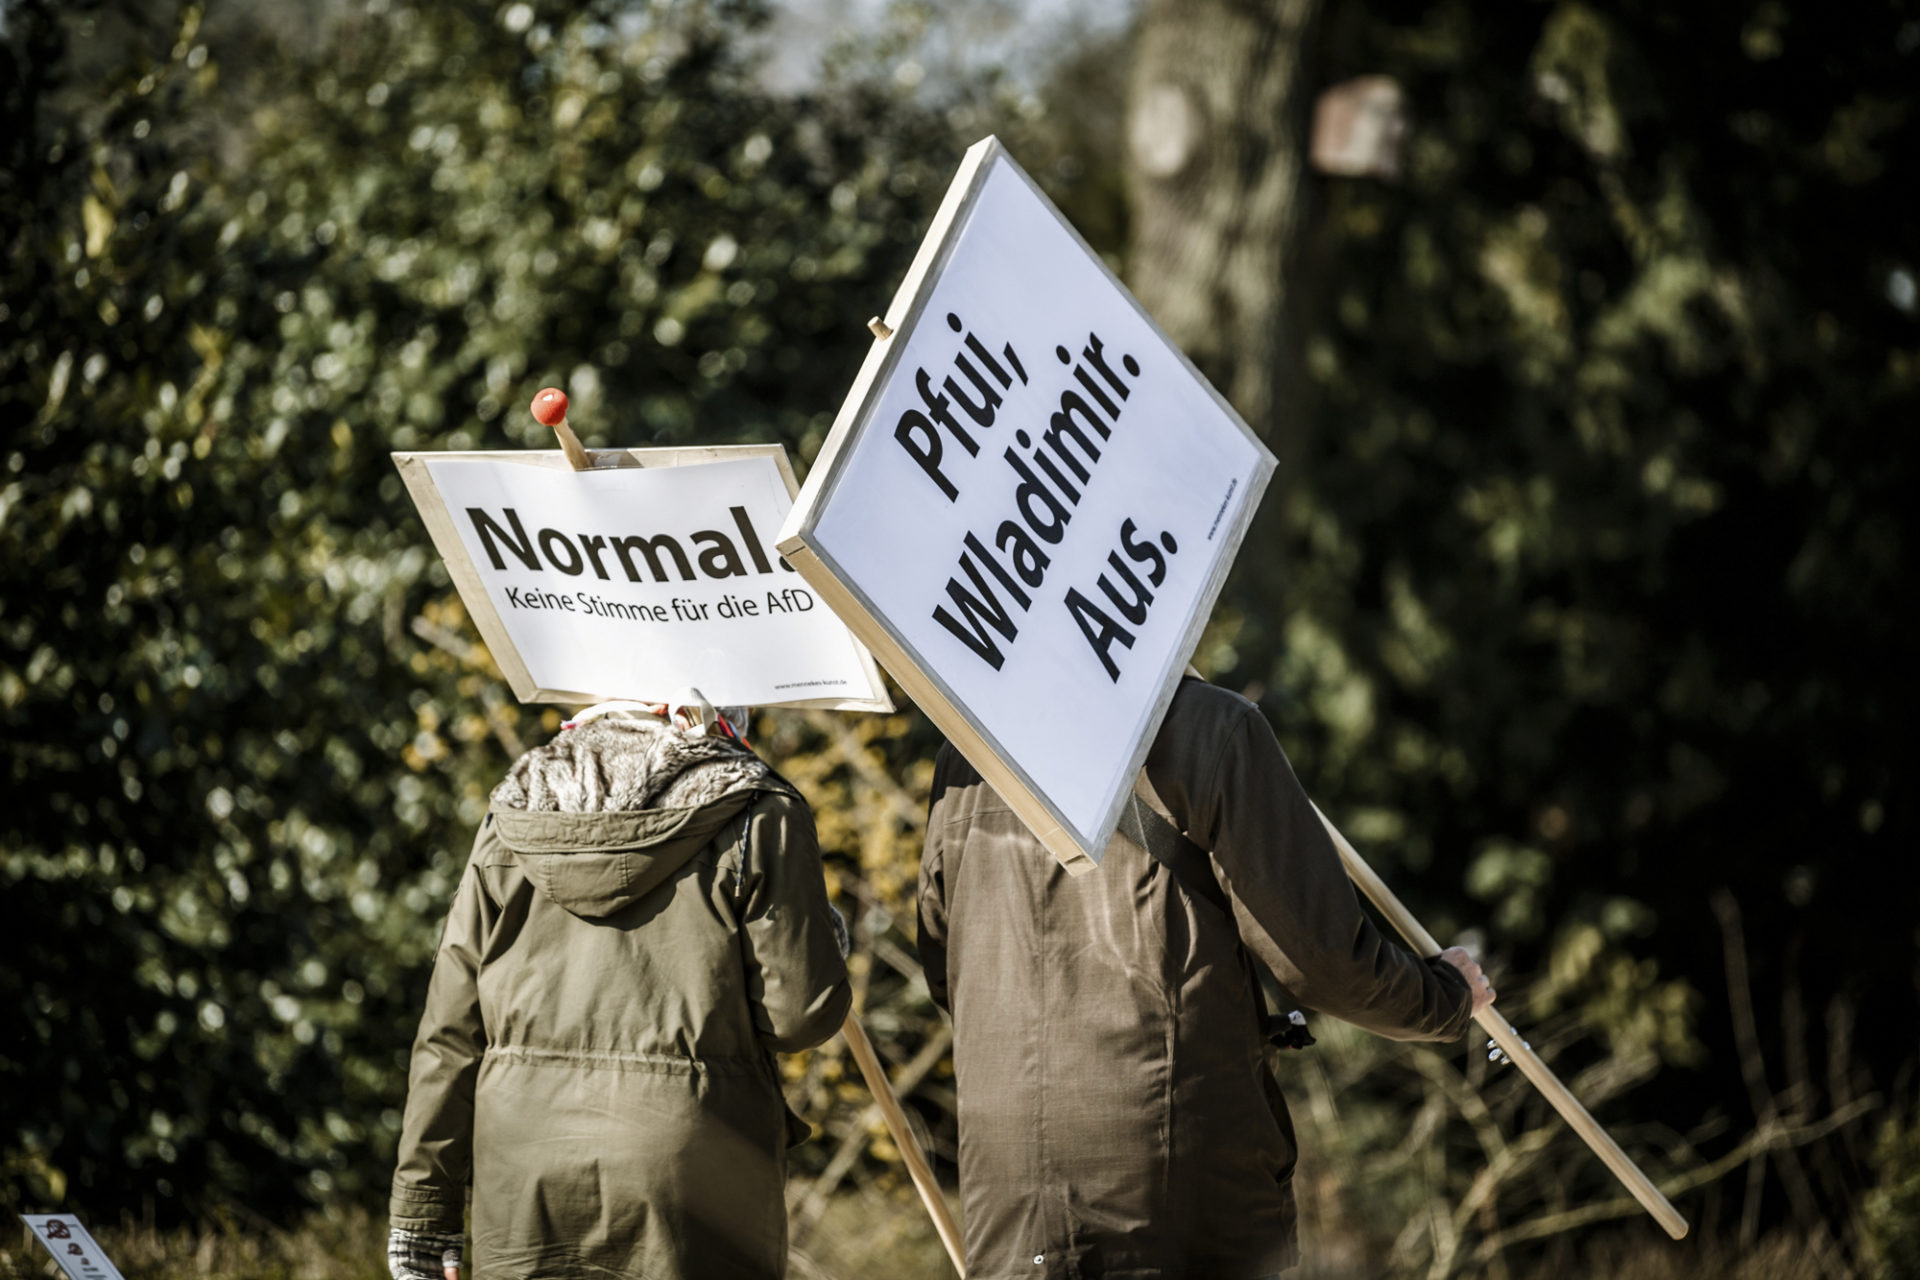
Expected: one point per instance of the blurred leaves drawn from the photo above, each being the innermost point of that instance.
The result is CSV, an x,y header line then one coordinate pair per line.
x,y
225,666
1596,580
1891,1212
1595,593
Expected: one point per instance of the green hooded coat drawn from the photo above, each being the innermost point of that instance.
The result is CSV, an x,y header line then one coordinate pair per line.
x,y
642,924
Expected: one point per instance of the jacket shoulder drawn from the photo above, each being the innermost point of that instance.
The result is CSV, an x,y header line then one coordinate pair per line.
x,y
1200,710
948,760
489,850
958,789
767,812
1194,693
1204,725
787,804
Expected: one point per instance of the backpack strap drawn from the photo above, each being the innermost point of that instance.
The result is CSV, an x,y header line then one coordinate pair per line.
x,y
1169,846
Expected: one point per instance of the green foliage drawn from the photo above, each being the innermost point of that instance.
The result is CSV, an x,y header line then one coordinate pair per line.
x,y
1597,592
1890,1213
1594,597
250,782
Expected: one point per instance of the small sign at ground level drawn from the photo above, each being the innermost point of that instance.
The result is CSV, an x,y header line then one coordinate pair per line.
x,y
71,1246
651,574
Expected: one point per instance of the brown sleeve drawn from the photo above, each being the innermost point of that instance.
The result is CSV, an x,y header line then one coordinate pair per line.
x,y
931,935
1295,907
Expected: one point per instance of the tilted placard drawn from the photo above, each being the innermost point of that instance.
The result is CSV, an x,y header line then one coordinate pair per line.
x,y
1028,504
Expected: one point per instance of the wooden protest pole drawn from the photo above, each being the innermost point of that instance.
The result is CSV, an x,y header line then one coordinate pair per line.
x,y
1522,1055
909,1146
550,407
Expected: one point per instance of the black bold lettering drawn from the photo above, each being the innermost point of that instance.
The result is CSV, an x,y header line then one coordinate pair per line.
x,y
594,545
721,559
985,607
1013,588
651,549
517,541
1045,463
914,425
1070,404
1031,489
937,406
574,565
1094,352
982,413
1081,376
993,366
1102,637
752,540
1013,358
1029,561
1145,552
1060,425
1134,610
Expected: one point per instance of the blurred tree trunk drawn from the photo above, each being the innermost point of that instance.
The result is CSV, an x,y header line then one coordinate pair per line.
x,y
1218,117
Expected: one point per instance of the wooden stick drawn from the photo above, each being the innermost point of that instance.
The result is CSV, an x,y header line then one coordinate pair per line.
x,y
577,456
1502,1033
909,1146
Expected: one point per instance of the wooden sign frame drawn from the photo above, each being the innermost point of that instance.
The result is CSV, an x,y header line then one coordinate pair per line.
x,y
479,603
798,542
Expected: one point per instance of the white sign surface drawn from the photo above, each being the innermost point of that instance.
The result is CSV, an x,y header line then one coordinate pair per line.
x,y
638,581
71,1246
1028,504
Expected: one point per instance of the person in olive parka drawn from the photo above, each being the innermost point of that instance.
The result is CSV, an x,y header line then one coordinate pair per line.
x,y
1118,1118
642,924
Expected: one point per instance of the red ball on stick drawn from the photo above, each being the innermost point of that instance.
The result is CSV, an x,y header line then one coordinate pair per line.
x,y
550,410
550,407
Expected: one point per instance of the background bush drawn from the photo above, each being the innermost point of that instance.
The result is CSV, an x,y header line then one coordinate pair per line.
x,y
1586,612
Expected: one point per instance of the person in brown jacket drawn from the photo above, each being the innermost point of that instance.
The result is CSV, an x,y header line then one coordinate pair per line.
x,y
642,924
1118,1119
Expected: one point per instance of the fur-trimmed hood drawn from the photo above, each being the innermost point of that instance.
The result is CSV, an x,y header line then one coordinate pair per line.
x,y
623,764
603,814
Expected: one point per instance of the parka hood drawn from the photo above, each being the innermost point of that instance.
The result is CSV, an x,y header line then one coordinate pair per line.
x,y
604,814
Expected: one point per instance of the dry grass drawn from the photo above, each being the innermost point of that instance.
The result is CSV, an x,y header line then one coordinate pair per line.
x,y
871,1232
1415,1161
347,1244
868,1231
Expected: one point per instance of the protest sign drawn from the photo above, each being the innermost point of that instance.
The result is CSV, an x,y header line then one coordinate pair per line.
x,y
1027,505
71,1245
649,575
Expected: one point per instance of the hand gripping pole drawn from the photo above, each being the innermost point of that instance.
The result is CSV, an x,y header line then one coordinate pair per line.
x,y
1502,1033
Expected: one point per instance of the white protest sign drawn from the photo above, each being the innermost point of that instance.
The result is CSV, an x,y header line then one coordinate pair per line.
x,y
649,575
1027,506
71,1246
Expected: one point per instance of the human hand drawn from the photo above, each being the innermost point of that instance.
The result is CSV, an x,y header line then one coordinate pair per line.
x,y
1477,980
415,1255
